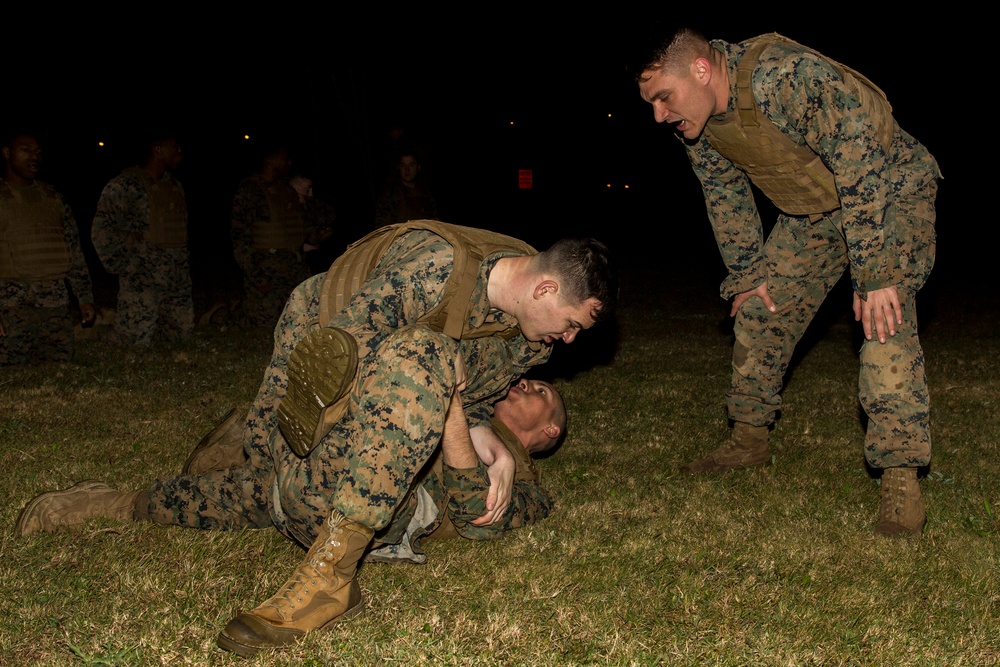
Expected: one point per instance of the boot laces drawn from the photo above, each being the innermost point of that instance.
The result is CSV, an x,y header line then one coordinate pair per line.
x,y
310,575
894,496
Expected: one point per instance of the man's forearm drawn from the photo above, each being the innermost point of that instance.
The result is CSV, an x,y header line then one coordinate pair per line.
x,y
457,450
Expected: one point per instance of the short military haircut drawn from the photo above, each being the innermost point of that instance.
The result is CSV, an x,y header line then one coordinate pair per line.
x,y
585,271
156,136
9,138
671,51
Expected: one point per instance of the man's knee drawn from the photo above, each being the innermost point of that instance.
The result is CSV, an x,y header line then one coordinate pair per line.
x,y
417,340
433,353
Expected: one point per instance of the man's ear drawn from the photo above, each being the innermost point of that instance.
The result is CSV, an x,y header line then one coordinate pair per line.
x,y
545,287
6,153
701,68
552,431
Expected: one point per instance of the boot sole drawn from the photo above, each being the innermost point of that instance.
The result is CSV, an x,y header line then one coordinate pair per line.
x,y
227,643
321,370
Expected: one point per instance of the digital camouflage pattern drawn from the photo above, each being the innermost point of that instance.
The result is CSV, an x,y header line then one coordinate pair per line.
x,y
269,274
399,203
448,500
367,464
154,282
35,313
883,232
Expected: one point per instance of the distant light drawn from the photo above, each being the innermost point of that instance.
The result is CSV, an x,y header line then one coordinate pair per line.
x,y
246,136
511,122
609,185
609,115
101,144
626,186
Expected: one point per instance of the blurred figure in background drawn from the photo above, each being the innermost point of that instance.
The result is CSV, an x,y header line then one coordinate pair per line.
x,y
406,195
268,230
39,254
319,218
140,233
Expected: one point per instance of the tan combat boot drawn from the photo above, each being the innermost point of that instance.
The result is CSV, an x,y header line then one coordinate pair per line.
x,y
322,591
321,371
222,448
746,448
902,512
73,506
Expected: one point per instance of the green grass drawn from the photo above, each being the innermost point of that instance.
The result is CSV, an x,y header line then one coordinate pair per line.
x,y
639,565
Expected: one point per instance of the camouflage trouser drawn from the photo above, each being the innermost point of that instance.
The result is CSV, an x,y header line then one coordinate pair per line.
x,y
35,334
164,310
363,468
804,262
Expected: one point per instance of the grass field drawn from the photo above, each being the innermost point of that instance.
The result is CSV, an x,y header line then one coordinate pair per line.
x,y
639,564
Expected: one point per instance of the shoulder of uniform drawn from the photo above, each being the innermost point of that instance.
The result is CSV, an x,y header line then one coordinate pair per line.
x,y
129,177
782,53
49,189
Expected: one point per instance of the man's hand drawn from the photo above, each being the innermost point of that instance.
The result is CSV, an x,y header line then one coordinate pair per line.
x,y
760,292
501,474
881,307
87,314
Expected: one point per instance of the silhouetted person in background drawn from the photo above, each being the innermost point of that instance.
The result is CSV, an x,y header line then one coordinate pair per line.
x,y
319,219
140,233
405,195
39,253
268,229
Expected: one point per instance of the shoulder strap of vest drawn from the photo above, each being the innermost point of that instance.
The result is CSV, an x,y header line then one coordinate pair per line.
x,y
470,245
746,104
350,269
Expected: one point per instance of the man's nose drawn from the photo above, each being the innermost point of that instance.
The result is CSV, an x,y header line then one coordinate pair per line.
x,y
660,112
570,335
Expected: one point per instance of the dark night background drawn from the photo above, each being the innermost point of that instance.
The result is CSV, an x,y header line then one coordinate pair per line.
x,y
483,95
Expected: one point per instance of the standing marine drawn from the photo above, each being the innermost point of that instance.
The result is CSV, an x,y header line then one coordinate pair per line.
x,y
39,255
140,232
269,234
855,191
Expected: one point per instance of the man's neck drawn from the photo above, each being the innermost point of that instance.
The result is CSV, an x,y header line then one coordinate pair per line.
x,y
504,288
155,169
17,181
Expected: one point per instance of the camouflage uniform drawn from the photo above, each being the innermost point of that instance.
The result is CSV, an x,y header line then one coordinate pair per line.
x,y
883,230
459,497
268,231
34,307
399,203
367,464
140,233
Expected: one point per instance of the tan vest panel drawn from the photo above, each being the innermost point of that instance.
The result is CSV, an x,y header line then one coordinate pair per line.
x,y
32,239
791,175
168,216
285,230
